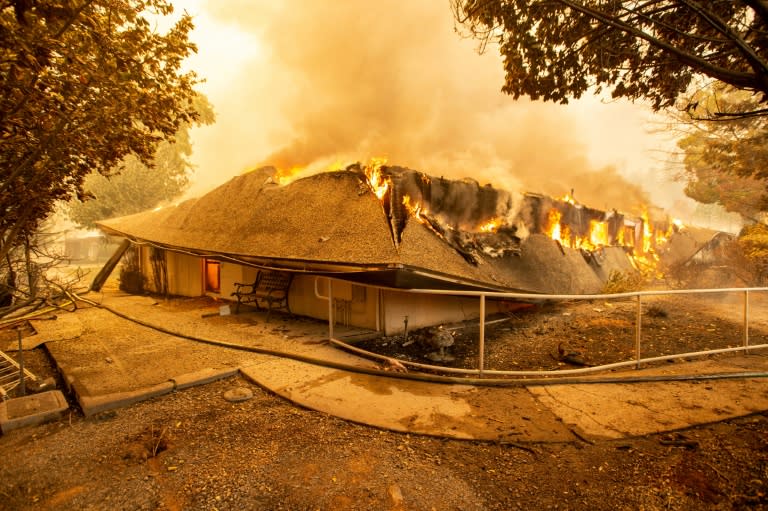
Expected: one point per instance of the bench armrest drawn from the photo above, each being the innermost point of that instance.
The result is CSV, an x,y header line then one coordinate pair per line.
x,y
240,286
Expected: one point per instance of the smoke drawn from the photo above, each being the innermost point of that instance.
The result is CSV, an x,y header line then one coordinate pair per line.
x,y
345,81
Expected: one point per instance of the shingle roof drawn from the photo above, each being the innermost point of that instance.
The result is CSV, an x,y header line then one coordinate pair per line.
x,y
335,218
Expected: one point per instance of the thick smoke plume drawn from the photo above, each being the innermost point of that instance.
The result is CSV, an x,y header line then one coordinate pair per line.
x,y
353,80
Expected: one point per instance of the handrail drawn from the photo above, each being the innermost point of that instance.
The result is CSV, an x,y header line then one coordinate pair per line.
x,y
637,361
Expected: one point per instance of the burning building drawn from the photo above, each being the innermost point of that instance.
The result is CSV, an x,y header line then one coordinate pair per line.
x,y
373,232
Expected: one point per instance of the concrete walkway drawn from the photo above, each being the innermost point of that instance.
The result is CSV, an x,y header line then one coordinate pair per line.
x,y
113,362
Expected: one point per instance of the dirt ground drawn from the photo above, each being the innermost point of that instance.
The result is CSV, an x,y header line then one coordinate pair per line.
x,y
551,336
194,450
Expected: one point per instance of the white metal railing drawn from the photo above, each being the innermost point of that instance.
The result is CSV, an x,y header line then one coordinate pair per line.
x,y
637,361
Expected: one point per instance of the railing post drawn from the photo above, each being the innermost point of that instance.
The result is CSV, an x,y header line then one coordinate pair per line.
x,y
746,320
22,385
481,340
330,309
638,329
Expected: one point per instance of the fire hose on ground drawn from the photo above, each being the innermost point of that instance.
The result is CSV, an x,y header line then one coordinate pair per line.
x,y
430,378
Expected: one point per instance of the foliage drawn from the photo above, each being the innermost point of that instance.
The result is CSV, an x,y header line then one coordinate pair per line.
x,y
753,241
558,49
83,84
133,186
725,162
623,282
132,280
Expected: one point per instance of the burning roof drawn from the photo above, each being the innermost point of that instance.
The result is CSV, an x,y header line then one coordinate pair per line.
x,y
398,227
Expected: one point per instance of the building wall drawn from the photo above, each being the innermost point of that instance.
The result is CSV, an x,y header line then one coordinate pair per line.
x,y
230,274
429,310
354,304
146,269
185,274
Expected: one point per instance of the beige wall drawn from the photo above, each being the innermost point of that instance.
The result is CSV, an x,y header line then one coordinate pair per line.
x,y
231,273
428,310
185,274
354,304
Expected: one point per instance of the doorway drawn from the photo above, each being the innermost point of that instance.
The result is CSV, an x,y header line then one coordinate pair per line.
x,y
212,276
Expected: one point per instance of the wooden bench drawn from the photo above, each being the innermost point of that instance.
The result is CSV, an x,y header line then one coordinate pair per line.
x,y
270,287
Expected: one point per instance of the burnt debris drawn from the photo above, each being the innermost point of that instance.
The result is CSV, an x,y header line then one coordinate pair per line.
x,y
480,220
467,216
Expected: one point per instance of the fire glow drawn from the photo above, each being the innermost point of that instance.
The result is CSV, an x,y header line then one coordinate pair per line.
x,y
490,226
468,224
413,208
378,183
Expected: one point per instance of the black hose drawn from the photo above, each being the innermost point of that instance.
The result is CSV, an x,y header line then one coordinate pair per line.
x,y
434,378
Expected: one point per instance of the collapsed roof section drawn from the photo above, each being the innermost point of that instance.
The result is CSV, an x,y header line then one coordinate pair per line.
x,y
401,229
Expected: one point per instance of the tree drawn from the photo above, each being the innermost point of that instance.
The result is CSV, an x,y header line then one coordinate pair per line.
x,y
83,84
652,49
726,161
753,241
134,186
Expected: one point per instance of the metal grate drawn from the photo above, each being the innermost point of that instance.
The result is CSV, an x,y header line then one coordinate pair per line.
x,y
10,374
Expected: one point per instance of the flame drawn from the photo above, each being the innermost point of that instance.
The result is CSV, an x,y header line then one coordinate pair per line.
x,y
647,233
285,176
597,237
414,209
569,199
553,225
490,226
598,234
378,183
640,234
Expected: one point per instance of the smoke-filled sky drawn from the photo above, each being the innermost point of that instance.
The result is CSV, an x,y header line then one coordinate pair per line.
x,y
312,83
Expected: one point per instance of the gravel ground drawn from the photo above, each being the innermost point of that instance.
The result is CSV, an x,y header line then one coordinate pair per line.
x,y
194,450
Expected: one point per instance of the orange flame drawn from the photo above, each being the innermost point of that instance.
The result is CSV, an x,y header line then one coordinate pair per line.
x,y
647,233
490,226
378,183
414,209
598,234
285,176
649,237
554,229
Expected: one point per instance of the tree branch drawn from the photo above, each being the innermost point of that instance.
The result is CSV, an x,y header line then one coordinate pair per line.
x,y
738,79
758,64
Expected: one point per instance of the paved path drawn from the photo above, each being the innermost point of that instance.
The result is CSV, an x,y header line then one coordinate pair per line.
x,y
114,362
